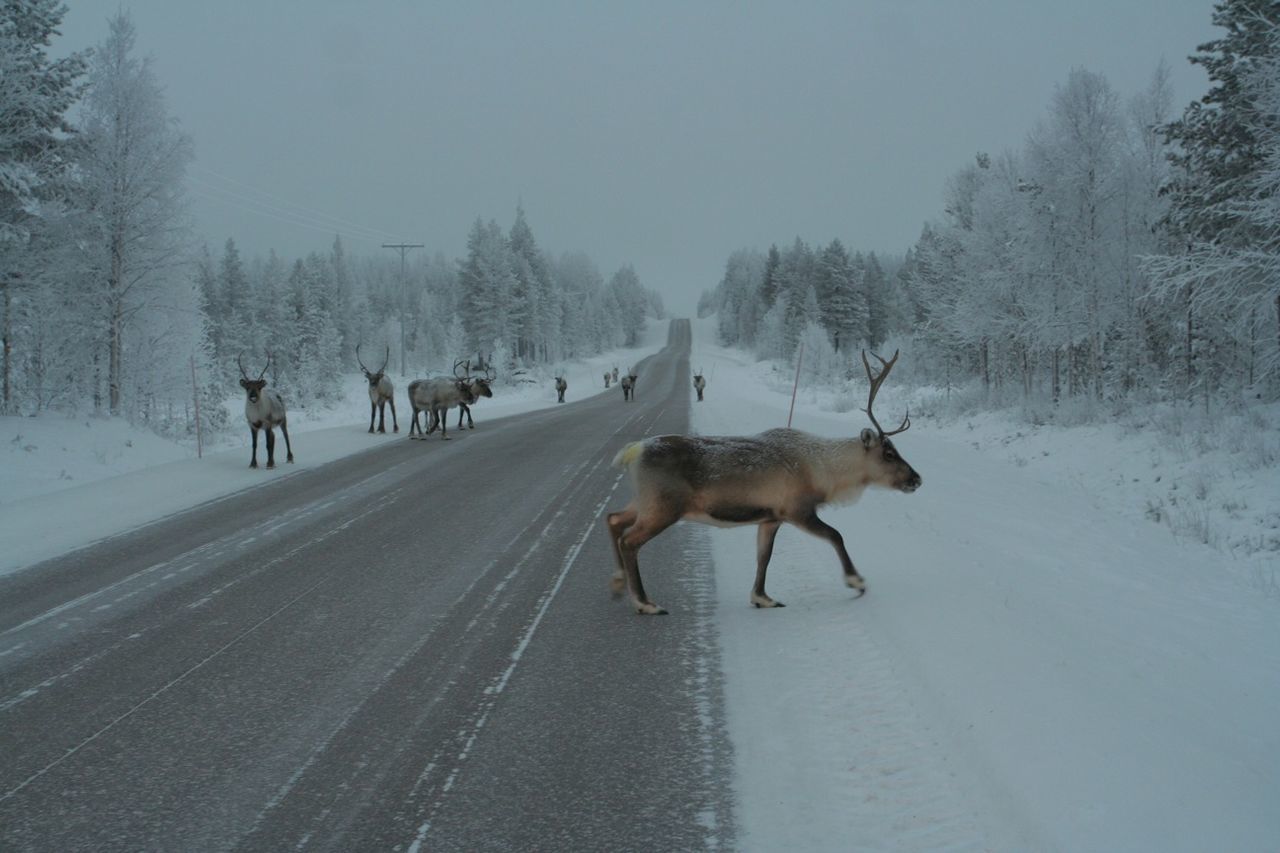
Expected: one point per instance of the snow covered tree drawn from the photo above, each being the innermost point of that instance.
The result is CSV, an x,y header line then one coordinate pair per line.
x,y
132,160
845,313
632,302
487,281
35,95
1229,273
1221,195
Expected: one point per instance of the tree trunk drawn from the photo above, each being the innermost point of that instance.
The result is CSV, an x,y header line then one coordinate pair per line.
x,y
1189,352
984,354
1056,389
114,367
7,406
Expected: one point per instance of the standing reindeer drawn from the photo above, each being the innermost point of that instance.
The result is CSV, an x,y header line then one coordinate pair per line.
x,y
615,373
436,396
483,389
264,410
781,475
561,387
699,384
629,385
607,377
381,392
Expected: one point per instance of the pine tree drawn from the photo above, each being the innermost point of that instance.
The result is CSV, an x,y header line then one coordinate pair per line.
x,y
35,95
487,280
238,326
875,286
845,312
769,287
1218,144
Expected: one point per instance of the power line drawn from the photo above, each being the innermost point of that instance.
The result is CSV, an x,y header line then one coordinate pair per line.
x,y
301,207
253,205
295,222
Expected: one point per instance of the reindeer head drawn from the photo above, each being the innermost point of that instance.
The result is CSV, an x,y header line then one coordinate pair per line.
x,y
253,387
887,467
479,387
373,376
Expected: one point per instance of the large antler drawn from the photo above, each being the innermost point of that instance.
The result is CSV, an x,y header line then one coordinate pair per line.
x,y
361,361
386,360
244,373
266,366
455,368
876,382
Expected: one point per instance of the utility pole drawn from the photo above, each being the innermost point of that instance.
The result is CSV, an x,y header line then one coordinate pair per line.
x,y
403,247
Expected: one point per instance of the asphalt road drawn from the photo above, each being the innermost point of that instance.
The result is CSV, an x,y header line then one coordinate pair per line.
x,y
409,649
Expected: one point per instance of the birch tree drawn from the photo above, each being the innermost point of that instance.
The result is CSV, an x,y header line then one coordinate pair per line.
x,y
132,161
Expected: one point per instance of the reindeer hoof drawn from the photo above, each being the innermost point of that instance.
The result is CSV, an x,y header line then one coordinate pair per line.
x,y
270,465
289,460
764,601
397,429
855,582
253,464
650,609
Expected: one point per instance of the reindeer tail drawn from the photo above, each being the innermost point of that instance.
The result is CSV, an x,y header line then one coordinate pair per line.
x,y
628,454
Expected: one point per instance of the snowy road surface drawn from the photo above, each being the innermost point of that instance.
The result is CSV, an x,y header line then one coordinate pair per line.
x,y
413,648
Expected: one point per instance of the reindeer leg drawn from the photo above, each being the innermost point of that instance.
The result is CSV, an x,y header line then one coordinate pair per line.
x,y
284,428
812,524
373,411
766,532
382,417
253,460
629,545
271,447
618,522
395,424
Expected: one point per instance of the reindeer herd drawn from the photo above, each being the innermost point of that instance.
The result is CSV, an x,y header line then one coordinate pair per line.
x,y
265,410
779,476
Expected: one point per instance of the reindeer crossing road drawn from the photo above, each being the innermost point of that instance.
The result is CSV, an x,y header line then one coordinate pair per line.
x,y
346,662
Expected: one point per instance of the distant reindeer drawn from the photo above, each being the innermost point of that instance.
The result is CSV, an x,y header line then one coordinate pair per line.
x,y
629,385
607,377
782,475
615,373
561,387
699,384
482,390
264,410
381,392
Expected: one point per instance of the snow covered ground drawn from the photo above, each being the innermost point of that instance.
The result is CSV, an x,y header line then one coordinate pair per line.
x,y
68,481
1038,664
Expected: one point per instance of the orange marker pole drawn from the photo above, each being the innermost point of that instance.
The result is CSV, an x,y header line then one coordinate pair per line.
x,y
796,386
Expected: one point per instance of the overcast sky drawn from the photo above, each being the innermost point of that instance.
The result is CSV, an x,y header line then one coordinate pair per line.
x,y
664,135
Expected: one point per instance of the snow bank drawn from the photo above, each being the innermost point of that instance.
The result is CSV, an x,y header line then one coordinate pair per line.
x,y
67,482
1033,667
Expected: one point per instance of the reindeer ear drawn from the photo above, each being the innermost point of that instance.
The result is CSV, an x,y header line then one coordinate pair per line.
x,y
244,383
869,439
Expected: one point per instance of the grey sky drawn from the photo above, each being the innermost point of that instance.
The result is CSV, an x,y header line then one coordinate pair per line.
x,y
664,135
